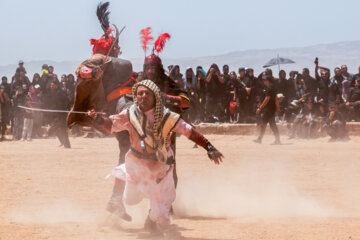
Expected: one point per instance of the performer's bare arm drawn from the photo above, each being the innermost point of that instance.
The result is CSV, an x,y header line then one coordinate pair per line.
x,y
187,130
103,124
107,125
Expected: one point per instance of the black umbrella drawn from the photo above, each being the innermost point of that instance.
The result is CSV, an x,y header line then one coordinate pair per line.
x,y
277,61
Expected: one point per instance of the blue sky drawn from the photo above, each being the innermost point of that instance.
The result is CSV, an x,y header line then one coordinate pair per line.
x,y
60,30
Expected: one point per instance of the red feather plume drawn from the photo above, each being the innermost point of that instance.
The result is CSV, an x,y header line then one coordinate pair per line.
x,y
160,42
145,37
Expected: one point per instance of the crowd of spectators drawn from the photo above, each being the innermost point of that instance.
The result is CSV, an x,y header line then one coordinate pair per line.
x,y
310,106
45,91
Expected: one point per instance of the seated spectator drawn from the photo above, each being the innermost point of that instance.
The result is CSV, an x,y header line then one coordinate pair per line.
x,y
353,101
335,126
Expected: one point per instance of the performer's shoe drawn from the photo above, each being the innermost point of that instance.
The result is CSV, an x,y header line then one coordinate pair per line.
x,y
258,140
276,142
151,226
116,207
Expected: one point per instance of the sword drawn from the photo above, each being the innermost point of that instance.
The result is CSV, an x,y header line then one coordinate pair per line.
x,y
58,111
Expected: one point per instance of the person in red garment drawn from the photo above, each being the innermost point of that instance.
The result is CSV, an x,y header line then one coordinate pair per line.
x,y
148,168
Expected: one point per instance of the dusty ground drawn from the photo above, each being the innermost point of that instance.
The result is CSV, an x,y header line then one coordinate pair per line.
x,y
302,190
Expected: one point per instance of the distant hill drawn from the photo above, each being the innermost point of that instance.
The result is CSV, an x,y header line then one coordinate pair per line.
x,y
330,55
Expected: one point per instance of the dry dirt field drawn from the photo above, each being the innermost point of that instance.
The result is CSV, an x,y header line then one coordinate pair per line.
x,y
300,190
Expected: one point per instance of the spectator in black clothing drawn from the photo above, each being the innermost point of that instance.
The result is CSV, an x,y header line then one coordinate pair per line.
x,y
21,67
300,86
267,110
231,88
201,90
241,95
335,126
4,111
291,86
59,101
281,83
226,96
309,123
177,76
344,72
334,94
71,85
51,70
28,121
338,78
353,101
36,79
214,108
18,118
6,85
250,85
310,83
355,76
323,82
191,115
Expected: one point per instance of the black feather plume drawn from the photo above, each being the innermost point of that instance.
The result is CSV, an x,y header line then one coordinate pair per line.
x,y
103,16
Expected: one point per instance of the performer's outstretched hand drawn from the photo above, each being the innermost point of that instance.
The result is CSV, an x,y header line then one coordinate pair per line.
x,y
92,114
215,155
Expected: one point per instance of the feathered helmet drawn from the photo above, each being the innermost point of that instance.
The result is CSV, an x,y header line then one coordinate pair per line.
x,y
103,45
146,38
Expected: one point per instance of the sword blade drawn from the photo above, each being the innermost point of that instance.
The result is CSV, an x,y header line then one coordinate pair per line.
x,y
54,111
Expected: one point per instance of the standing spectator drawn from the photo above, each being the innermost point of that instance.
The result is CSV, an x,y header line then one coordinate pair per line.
x,y
35,96
356,76
28,121
18,119
226,95
214,108
344,72
338,78
36,79
6,85
191,115
291,86
4,111
250,83
241,95
281,84
323,82
71,85
231,87
177,76
44,70
267,110
59,101
201,90
310,82
21,67
300,86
